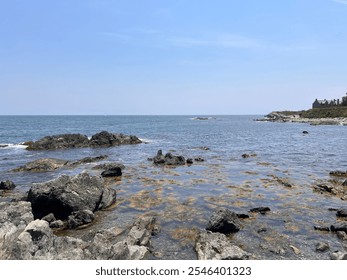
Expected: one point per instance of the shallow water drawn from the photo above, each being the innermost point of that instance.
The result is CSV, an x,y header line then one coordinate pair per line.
x,y
183,198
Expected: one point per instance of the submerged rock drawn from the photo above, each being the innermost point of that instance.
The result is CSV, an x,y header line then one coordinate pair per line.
x,y
224,221
7,185
322,247
261,210
42,165
109,165
216,246
342,212
342,226
66,194
112,172
338,173
168,159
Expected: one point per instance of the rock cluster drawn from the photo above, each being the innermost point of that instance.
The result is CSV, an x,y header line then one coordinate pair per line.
x,y
65,141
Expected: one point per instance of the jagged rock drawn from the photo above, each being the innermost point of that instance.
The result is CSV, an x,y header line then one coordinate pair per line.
x,y
58,224
342,235
112,172
107,139
199,159
80,218
65,141
261,210
224,221
7,185
325,188
216,246
189,161
61,141
342,212
342,226
14,217
141,232
168,159
66,194
322,228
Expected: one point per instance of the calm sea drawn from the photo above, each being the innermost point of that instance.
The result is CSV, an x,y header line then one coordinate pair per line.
x,y
184,197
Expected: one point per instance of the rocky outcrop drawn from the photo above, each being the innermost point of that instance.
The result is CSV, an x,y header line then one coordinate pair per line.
x,y
65,141
23,238
51,164
66,194
112,172
7,185
224,221
168,159
14,217
216,246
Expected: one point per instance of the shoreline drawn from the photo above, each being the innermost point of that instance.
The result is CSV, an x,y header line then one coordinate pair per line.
x,y
282,117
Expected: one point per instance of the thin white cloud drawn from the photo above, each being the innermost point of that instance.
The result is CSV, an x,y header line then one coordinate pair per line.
x,y
340,1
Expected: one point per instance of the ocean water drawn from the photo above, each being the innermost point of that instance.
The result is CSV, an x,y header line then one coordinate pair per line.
x,y
183,198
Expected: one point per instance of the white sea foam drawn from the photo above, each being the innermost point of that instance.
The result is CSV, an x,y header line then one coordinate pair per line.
x,y
12,146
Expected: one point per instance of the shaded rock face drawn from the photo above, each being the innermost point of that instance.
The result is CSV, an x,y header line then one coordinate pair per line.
x,y
224,221
112,172
168,159
7,185
80,218
65,141
66,194
216,246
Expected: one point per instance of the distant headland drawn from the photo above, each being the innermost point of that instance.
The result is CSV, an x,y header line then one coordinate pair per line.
x,y
323,112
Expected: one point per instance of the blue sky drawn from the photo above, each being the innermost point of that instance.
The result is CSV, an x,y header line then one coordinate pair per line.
x,y
170,57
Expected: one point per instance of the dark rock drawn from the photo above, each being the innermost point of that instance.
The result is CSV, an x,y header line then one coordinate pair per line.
x,y
199,159
338,173
80,218
61,141
87,160
224,221
342,212
261,230
42,165
322,228
305,132
66,141
339,227
242,216
325,188
261,210
168,159
204,148
66,194
112,172
107,139
216,246
344,183
3,146
248,155
189,161
7,185
322,247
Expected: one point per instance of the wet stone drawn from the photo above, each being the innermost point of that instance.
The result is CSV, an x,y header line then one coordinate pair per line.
x,y
342,212
322,247
224,221
261,210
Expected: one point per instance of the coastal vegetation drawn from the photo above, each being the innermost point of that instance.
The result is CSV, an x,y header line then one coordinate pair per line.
x,y
330,112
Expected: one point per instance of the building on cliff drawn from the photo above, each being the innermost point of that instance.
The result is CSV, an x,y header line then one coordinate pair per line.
x,y
325,103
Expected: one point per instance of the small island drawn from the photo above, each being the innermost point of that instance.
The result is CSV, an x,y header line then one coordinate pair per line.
x,y
323,112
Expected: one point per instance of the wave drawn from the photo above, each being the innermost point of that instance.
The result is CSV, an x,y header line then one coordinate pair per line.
x,y
12,146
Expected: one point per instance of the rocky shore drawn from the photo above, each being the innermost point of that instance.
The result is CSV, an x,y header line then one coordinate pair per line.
x,y
283,117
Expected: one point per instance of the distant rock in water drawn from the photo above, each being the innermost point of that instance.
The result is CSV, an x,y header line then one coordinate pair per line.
x,y
168,159
66,141
338,173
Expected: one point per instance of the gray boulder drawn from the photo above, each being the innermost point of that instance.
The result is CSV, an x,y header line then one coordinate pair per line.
x,y
216,246
42,165
224,221
7,185
66,194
